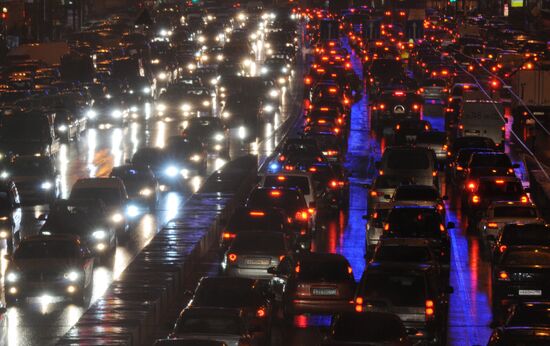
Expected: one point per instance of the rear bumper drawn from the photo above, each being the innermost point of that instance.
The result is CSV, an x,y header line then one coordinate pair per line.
x,y
253,273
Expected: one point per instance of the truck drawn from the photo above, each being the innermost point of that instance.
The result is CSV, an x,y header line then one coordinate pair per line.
x,y
531,84
482,117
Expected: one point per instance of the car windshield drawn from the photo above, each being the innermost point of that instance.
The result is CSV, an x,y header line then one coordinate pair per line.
x,y
325,270
109,196
415,222
258,242
46,249
300,182
534,257
411,194
408,160
21,167
510,212
398,289
405,254
209,325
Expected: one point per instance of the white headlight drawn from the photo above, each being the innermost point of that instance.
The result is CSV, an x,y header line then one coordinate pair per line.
x,y
99,234
242,132
201,39
274,93
4,175
171,171
264,70
72,276
195,158
226,114
117,217
91,114
284,70
191,66
46,185
133,109
116,113
206,103
161,107
162,76
145,192
214,81
219,57
155,61
268,108
282,80
12,277
218,137
62,128
186,107
247,62
132,211
146,90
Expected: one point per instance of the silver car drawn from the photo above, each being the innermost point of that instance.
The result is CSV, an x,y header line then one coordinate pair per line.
x,y
375,225
252,253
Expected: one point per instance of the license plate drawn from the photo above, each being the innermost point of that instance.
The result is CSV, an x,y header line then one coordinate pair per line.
x,y
530,292
410,138
324,291
257,261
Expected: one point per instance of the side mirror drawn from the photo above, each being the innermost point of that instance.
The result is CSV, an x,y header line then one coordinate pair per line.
x,y
450,225
515,165
272,270
445,197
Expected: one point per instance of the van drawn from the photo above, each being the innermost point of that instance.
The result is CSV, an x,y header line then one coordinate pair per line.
x,y
482,118
414,163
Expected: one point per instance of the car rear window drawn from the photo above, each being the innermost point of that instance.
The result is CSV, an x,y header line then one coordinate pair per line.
x,y
533,257
496,189
431,137
289,201
300,182
398,289
328,271
408,160
258,242
415,223
405,254
506,211
490,160
409,194
531,317
388,182
526,236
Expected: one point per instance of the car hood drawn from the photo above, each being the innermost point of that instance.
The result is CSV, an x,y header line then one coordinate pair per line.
x,y
41,264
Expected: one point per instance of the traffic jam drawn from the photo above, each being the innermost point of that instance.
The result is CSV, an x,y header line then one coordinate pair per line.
x,y
396,195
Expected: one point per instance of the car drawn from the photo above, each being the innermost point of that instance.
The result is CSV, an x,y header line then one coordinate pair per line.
x,y
252,253
418,195
433,89
406,250
249,295
290,200
499,214
299,150
87,219
36,178
414,163
528,314
10,214
140,183
383,187
321,283
169,173
520,273
406,131
459,163
392,106
113,194
520,336
487,163
470,142
249,219
411,291
520,234
187,153
366,328
211,132
50,264
435,140
375,225
420,222
217,324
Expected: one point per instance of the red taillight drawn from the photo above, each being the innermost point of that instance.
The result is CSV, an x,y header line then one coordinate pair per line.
x,y
503,276
475,199
228,235
334,184
416,107
261,312
382,106
232,257
297,269
257,213
471,185
307,81
502,248
492,225
373,194
302,215
359,304
430,309
275,193
524,199
282,158
281,178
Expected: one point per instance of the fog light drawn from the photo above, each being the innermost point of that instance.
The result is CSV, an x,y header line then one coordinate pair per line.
x,y
13,290
100,247
71,289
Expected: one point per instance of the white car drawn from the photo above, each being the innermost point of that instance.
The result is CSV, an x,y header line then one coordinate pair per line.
x,y
501,213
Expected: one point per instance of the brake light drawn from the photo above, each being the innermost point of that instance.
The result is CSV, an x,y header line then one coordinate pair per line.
x,y
416,107
441,227
297,269
471,185
324,58
373,194
475,199
256,213
502,248
275,193
459,168
282,257
350,270
307,81
282,158
232,257
387,227
302,215
382,106
492,225
311,211
398,93
434,174
336,130
430,309
322,121
312,169
397,127
324,109
281,178
288,168
228,235
261,312
503,276
332,152
334,184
